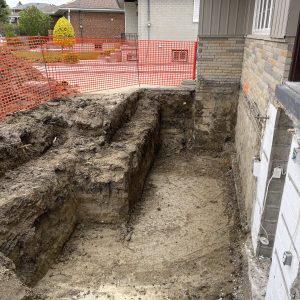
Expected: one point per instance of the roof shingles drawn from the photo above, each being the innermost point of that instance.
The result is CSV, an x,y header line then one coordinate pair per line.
x,y
92,4
45,7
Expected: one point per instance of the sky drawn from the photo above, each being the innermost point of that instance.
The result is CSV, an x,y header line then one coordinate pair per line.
x,y
13,3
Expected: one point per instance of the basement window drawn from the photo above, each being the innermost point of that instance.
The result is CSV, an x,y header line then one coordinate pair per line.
x,y
131,57
180,55
98,46
263,16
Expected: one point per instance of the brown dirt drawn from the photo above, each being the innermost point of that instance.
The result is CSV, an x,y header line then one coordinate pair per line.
x,y
181,241
23,86
85,173
72,170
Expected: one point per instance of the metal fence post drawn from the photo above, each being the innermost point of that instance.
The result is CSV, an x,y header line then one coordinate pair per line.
x,y
195,60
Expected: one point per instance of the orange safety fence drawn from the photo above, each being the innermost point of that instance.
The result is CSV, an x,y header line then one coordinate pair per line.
x,y
34,70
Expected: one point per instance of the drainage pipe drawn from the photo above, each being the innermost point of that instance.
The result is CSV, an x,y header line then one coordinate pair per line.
x,y
149,18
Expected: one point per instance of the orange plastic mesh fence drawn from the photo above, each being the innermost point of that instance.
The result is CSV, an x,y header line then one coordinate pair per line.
x,y
34,70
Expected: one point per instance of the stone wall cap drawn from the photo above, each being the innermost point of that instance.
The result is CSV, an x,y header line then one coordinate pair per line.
x,y
288,95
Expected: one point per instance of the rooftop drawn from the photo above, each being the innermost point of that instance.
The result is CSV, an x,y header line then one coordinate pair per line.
x,y
92,4
44,7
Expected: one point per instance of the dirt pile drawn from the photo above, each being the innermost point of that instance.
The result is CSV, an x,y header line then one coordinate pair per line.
x,y
23,86
63,163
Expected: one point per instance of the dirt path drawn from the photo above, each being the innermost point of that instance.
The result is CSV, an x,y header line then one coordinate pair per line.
x,y
179,244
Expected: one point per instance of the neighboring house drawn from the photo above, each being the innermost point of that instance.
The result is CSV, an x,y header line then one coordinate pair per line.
x,y
162,19
95,18
249,56
48,9
90,18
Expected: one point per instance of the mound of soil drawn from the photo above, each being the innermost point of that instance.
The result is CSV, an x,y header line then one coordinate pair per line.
x,y
22,86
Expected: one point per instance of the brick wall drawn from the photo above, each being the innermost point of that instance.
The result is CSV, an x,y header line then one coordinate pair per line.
x,y
219,70
220,59
170,20
266,63
98,25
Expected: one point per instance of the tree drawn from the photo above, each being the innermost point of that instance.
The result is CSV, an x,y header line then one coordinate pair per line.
x,y
34,22
9,30
4,11
63,33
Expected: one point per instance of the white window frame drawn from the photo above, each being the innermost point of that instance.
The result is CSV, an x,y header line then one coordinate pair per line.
x,y
196,11
260,23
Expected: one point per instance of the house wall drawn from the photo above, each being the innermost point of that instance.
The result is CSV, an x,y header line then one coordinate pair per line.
x,y
225,17
169,19
98,25
283,282
285,18
131,17
218,81
220,59
222,27
266,63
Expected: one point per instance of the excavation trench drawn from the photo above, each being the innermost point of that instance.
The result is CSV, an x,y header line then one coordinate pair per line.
x,y
81,217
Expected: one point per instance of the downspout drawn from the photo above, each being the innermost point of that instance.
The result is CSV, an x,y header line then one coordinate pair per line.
x,y
149,18
69,15
80,25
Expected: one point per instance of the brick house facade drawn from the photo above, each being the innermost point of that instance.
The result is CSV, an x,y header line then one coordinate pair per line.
x,y
97,24
95,19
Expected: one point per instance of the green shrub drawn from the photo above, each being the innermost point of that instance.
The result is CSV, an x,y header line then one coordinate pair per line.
x,y
54,56
89,55
70,58
108,52
9,30
63,33
117,45
33,22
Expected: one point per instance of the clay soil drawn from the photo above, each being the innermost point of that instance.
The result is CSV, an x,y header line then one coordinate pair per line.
x,y
181,241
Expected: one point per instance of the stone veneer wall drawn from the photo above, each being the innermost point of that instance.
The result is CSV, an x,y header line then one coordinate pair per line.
x,y
266,64
218,82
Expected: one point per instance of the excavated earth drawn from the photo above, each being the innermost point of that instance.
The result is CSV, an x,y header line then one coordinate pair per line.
x,y
103,197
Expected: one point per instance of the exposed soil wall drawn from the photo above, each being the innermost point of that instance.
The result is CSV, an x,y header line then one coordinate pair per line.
x,y
83,162
215,114
62,164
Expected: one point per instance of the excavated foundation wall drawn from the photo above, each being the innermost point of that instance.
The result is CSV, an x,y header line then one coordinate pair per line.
x,y
78,160
215,114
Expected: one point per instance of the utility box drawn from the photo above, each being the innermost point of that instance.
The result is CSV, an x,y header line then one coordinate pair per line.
x,y
287,258
296,155
256,167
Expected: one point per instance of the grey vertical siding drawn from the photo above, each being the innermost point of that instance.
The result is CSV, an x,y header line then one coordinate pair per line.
x,y
293,18
280,18
249,17
223,17
285,18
